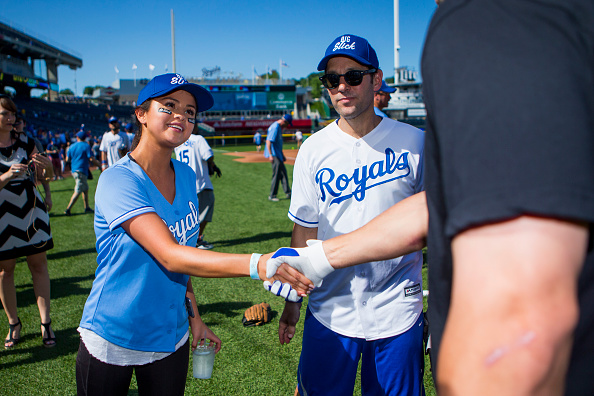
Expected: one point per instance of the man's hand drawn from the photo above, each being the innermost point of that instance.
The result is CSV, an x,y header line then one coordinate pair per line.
x,y
287,322
311,261
283,290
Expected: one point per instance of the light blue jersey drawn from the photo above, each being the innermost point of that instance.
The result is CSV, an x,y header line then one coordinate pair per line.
x,y
275,136
135,302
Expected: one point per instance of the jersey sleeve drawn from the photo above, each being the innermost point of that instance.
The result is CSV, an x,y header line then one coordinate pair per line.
x,y
272,131
204,149
121,196
304,199
103,145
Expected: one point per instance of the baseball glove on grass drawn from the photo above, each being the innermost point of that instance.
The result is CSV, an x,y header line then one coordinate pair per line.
x,y
257,315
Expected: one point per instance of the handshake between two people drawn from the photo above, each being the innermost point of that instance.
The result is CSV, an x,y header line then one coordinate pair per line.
x,y
291,265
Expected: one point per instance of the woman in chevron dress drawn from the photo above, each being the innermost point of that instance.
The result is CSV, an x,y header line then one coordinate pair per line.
x,y
24,223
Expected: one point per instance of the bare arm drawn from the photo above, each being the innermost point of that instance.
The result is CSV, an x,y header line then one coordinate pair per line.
x,y
514,308
199,329
400,230
271,158
152,234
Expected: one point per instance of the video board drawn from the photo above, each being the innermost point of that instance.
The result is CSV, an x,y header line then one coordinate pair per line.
x,y
252,97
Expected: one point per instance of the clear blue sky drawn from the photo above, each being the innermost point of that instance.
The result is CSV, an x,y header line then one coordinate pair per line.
x,y
233,34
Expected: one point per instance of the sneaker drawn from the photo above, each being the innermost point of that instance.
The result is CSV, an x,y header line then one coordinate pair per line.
x,y
202,244
273,199
289,195
89,210
67,212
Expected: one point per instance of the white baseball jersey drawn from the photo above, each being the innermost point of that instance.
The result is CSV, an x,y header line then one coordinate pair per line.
x,y
341,183
195,152
111,143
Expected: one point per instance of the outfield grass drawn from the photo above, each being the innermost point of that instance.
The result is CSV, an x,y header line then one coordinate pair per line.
x,y
251,361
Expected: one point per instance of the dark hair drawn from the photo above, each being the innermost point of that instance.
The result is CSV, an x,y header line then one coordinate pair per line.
x,y
144,106
8,104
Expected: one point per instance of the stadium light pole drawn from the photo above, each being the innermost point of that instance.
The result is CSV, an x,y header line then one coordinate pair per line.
x,y
172,41
396,38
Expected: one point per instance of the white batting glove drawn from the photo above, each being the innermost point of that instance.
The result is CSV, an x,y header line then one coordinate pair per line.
x,y
282,289
311,261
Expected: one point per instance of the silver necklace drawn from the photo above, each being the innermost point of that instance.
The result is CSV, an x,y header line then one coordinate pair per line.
x,y
12,152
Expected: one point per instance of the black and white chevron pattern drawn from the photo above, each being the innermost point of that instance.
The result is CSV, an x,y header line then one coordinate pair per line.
x,y
24,222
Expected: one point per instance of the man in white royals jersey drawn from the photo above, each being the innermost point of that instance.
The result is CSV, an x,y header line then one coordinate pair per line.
x,y
344,176
114,144
196,153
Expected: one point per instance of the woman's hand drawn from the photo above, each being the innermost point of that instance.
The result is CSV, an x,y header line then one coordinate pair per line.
x,y
201,332
13,172
41,161
286,274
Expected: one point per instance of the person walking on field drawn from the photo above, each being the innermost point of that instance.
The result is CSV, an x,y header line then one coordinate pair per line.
x,y
258,140
196,153
274,151
79,155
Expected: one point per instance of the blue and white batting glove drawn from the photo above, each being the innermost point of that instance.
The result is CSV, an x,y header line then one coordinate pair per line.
x,y
282,289
311,261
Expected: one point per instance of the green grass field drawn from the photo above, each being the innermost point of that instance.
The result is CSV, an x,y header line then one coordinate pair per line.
x,y
251,362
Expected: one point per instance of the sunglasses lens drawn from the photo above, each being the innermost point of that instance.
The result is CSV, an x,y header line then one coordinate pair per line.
x,y
330,80
353,78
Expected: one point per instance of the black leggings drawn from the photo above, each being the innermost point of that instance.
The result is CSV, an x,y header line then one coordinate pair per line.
x,y
163,377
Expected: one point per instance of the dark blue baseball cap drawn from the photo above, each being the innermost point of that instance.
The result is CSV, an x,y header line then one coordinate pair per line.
x,y
289,118
352,46
386,88
169,82
81,135
113,119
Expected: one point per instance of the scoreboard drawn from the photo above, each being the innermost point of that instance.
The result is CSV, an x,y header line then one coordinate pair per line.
x,y
252,97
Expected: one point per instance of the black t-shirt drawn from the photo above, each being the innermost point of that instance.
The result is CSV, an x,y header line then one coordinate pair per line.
x,y
509,90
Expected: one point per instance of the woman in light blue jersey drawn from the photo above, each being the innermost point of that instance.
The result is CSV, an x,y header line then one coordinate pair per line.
x,y
146,224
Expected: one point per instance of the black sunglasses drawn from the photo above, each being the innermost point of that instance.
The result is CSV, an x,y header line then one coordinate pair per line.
x,y
353,78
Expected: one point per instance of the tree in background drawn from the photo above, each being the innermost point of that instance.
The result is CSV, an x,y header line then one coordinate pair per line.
x,y
89,90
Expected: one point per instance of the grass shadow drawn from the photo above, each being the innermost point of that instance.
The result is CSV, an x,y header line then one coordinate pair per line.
x,y
254,238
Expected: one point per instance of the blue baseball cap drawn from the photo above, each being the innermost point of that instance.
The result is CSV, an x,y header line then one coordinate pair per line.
x,y
169,82
81,135
113,119
129,126
386,88
289,118
354,47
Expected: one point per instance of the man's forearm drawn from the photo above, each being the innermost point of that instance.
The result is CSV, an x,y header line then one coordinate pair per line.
x,y
400,230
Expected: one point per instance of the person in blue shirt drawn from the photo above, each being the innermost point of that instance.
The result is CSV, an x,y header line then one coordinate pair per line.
x,y
142,305
274,151
381,97
79,155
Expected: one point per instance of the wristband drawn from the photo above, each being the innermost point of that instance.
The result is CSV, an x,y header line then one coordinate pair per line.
x,y
254,266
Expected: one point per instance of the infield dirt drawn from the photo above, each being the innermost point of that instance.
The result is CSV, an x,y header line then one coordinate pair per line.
x,y
254,156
